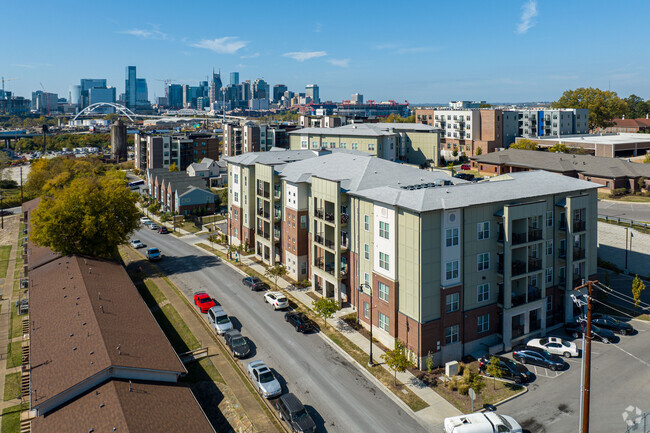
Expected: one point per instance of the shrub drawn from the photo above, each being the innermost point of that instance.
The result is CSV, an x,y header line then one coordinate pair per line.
x,y
463,388
8,184
618,192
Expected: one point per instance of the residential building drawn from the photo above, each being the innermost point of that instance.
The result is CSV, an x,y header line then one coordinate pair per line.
x,y
161,150
464,105
456,268
370,109
622,145
627,126
306,121
248,136
16,105
553,122
178,193
312,92
214,172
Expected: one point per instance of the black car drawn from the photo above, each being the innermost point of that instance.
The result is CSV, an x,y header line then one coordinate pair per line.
x,y
163,230
5,212
300,321
511,370
537,356
576,329
237,344
608,322
464,176
255,284
293,412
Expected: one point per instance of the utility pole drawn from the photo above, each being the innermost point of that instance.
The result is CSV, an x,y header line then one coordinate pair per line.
x,y
587,358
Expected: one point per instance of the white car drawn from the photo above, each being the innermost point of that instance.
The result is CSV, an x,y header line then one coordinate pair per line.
x,y
137,243
486,422
144,220
219,320
263,379
555,346
277,299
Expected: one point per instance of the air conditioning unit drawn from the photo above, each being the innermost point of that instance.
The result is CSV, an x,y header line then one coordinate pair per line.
x,y
24,283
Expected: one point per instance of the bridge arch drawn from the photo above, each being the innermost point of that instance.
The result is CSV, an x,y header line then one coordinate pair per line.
x,y
118,107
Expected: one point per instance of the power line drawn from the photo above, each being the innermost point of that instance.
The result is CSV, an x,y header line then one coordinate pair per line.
x,y
647,364
622,296
609,306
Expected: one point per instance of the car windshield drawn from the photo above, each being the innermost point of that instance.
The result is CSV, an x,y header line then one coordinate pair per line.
x,y
204,300
504,421
281,299
299,415
565,343
239,341
266,377
223,319
510,363
546,354
136,241
153,251
543,341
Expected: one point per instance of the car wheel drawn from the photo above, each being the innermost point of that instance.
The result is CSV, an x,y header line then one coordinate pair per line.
x,y
517,379
575,334
275,307
622,332
553,368
266,301
567,355
286,318
522,360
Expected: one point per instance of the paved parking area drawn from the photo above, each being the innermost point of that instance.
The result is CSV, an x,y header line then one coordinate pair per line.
x,y
620,377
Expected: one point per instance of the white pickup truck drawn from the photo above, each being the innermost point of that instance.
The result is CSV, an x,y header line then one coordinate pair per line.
x,y
482,422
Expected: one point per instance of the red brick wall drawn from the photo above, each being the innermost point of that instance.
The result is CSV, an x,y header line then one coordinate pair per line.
x,y
389,308
453,318
471,322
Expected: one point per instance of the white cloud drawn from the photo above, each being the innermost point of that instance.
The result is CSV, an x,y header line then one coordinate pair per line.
x,y
529,11
146,34
343,63
250,56
301,56
225,45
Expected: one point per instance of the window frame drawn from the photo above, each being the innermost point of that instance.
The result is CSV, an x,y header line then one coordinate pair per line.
x,y
386,322
482,262
385,259
383,291
483,230
453,270
483,323
452,237
451,334
452,302
483,295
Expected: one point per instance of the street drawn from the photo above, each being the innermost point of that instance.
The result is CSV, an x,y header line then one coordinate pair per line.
x,y
337,395
627,210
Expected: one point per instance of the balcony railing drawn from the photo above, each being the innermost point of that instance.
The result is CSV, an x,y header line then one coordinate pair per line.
x,y
517,300
500,268
345,218
263,193
277,193
501,236
534,235
319,263
579,226
262,213
329,268
518,268
534,293
344,271
518,238
329,217
319,213
578,253
534,264
344,244
276,235
277,214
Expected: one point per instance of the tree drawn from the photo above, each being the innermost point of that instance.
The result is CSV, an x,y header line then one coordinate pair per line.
x,y
396,118
232,249
559,147
429,362
275,272
636,107
641,183
485,106
495,370
603,105
397,359
112,117
479,151
325,308
47,175
646,160
213,238
524,144
637,287
173,167
91,216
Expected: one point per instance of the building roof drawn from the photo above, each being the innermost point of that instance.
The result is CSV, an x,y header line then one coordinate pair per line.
x,y
273,157
588,165
618,138
86,316
192,188
120,406
383,126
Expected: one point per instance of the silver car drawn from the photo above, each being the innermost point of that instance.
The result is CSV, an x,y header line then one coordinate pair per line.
x,y
219,319
264,380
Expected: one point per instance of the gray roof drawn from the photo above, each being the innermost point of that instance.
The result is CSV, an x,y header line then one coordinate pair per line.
x,y
367,129
273,157
588,165
191,188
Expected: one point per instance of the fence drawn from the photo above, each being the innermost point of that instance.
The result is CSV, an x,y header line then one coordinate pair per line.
x,y
625,222
640,424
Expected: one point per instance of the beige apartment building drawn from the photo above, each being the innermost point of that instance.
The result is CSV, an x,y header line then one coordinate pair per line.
x,y
455,268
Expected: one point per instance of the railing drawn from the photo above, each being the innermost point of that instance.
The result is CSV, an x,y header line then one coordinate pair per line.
x,y
344,271
345,218
329,244
329,217
579,226
319,239
263,193
534,235
578,253
277,213
517,300
276,235
277,193
319,263
534,264
329,268
319,213
534,293
518,268
519,238
624,221
344,244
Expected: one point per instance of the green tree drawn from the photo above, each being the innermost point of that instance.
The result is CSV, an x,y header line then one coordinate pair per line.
x,y
91,216
396,118
636,107
641,183
47,175
397,359
112,117
524,144
173,167
325,308
479,151
275,272
603,105
558,147
646,160
495,370
485,106
429,362
637,288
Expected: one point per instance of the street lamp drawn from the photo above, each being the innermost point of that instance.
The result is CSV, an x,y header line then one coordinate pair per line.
x,y
369,287
631,235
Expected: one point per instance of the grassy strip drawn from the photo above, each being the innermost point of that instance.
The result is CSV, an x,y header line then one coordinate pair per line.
x,y
494,392
16,323
179,335
14,354
202,370
11,418
150,293
631,198
12,386
5,251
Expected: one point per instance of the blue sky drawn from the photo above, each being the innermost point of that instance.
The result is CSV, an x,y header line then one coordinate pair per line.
x,y
427,51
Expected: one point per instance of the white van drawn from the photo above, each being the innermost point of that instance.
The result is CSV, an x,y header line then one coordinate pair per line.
x,y
219,319
482,422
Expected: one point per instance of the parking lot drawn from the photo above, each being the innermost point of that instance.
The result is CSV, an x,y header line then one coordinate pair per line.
x,y
620,378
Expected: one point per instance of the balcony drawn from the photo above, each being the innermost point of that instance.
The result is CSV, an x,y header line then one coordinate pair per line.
x,y
578,253
579,226
518,238
345,218
534,235
263,193
276,193
329,268
534,264
577,281
518,268
534,294
329,217
501,236
319,263
319,213
345,244
277,214
500,295
517,300
344,271
320,239
262,213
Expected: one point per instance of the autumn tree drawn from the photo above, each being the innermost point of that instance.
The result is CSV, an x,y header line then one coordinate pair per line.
x,y
275,272
603,105
495,370
173,167
397,359
48,175
559,147
524,144
638,286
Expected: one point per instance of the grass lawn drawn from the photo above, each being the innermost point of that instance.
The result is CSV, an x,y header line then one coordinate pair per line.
x,y
16,323
494,391
202,371
150,293
628,198
14,354
12,386
189,226
5,250
179,335
11,418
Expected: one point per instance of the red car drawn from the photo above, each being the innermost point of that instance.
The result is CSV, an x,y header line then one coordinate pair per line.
x,y
465,167
203,301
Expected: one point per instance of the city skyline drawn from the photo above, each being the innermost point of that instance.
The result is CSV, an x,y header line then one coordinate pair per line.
x,y
515,52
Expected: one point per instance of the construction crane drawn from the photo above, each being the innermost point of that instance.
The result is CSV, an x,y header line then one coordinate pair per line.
x,y
167,82
3,84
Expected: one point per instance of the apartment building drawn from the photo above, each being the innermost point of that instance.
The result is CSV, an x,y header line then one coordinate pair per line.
x,y
252,137
162,150
408,142
455,268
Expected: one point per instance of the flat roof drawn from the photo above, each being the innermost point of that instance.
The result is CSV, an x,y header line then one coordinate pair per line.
x,y
622,138
367,129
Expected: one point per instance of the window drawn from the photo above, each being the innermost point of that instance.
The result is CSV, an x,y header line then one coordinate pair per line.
x,y
483,230
452,270
483,292
236,178
383,230
236,196
383,292
452,237
303,267
366,310
245,218
483,323
451,334
383,261
484,261
314,144
366,251
304,144
366,278
549,303
549,247
451,303
549,218
303,221
355,146
549,275
366,222
236,214
344,145
371,146
577,215
383,322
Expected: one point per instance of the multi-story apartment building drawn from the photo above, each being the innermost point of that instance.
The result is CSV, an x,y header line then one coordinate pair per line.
x,y
454,269
409,142
245,137
160,151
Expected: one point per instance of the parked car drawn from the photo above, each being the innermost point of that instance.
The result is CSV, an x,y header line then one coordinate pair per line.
x,y
5,212
537,356
145,220
237,344
464,176
482,422
300,321
465,167
203,301
137,243
555,346
294,413
263,379
276,299
153,254
255,284
576,329
512,370
608,322
153,226
163,230
219,319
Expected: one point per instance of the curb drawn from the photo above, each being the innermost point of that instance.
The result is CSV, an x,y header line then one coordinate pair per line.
x,y
507,399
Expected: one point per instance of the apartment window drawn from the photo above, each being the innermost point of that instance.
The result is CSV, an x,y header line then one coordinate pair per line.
x,y
549,303
314,144
371,146
483,323
236,178
383,292
452,270
344,145
366,278
236,214
245,199
483,292
324,143
383,322
483,261
549,248
245,218
549,275
383,261
304,144
366,251
451,303
236,196
549,218
303,221
577,215
366,310
451,334
483,230
366,222
355,146
383,230
452,237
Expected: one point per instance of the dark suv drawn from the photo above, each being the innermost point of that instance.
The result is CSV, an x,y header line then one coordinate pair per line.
x,y
237,344
511,370
294,413
537,356
300,321
255,284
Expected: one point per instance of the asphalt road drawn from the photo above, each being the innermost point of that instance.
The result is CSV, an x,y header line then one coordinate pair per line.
x,y
631,211
338,396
